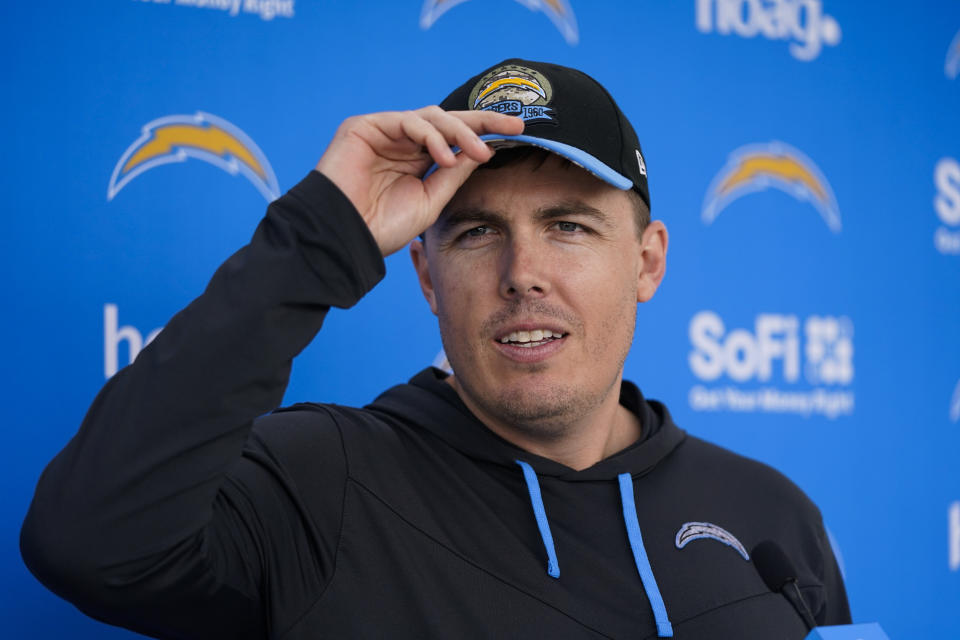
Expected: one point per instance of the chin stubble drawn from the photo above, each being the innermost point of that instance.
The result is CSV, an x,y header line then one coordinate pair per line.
x,y
542,414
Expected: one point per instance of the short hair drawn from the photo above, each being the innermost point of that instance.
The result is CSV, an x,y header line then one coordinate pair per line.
x,y
521,153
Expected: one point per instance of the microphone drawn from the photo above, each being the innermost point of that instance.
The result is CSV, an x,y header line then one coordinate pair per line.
x,y
780,576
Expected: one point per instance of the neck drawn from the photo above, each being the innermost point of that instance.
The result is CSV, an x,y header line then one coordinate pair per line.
x,y
577,442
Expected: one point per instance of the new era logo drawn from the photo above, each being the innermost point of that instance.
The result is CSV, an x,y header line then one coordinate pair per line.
x,y
643,165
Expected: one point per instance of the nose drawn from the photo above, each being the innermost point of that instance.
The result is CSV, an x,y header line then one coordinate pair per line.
x,y
523,270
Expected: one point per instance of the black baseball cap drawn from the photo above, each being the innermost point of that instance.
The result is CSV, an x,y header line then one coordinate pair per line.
x,y
565,111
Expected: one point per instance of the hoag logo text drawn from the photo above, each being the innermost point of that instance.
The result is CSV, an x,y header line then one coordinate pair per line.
x,y
801,22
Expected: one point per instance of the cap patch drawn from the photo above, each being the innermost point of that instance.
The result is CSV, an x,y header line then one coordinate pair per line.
x,y
516,91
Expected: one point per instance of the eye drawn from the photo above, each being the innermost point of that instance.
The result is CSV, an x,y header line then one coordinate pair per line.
x,y
476,232
476,236
569,227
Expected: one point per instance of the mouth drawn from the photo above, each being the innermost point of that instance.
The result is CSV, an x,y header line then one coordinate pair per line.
x,y
531,338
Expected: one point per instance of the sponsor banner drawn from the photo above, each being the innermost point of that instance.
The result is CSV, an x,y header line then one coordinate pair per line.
x,y
559,12
265,9
771,165
801,23
785,364
946,204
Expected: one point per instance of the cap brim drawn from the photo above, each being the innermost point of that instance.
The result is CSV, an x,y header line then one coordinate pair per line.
x,y
578,157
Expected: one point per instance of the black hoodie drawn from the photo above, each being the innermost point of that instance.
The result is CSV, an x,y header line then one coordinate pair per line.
x,y
178,513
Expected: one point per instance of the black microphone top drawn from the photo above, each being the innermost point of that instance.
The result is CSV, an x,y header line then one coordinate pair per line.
x,y
773,565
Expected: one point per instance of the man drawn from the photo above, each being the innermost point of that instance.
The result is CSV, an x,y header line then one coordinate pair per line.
x,y
447,507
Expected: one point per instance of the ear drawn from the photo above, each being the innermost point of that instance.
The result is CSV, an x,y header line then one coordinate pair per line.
x,y
418,253
653,260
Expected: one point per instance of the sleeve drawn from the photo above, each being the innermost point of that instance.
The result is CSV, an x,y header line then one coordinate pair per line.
x,y
153,515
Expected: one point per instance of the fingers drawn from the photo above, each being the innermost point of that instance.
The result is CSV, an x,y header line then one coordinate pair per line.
x,y
442,184
437,130
435,139
464,128
482,122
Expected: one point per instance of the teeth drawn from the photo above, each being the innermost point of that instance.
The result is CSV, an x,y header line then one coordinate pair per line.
x,y
528,337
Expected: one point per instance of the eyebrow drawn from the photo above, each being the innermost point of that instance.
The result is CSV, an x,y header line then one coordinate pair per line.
x,y
470,215
569,208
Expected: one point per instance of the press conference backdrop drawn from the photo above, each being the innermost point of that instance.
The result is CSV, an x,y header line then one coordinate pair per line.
x,y
804,154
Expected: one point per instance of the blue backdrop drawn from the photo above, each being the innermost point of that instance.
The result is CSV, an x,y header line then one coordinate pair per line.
x,y
805,155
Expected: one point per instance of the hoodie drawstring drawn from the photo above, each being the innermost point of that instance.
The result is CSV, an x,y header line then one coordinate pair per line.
x,y
533,488
664,628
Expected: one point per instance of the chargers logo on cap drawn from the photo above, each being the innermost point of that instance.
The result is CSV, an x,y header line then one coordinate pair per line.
x,y
952,65
514,90
758,167
559,12
202,136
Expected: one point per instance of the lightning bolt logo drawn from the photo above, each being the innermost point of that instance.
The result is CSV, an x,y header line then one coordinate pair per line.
x,y
559,12
776,165
691,531
955,404
509,82
202,136
952,65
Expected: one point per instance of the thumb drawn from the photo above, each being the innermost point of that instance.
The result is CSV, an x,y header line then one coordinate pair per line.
x,y
444,182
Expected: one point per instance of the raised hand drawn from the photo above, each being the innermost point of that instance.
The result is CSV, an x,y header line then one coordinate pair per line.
x,y
378,159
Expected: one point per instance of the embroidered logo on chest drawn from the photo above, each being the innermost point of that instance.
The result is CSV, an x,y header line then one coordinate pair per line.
x,y
698,530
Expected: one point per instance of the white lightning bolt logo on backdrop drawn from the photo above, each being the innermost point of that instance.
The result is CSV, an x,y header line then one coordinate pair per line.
x,y
951,67
203,136
558,11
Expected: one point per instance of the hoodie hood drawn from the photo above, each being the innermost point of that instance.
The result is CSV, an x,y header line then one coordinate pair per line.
x,y
430,403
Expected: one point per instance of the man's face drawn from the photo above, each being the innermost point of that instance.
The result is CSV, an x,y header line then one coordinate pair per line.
x,y
534,271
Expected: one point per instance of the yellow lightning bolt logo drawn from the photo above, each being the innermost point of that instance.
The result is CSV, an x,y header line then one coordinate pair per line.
x,y
773,165
556,5
783,167
509,82
202,136
212,139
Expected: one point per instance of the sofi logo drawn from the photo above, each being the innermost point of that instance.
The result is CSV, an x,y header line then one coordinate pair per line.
x,y
946,180
781,352
802,22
